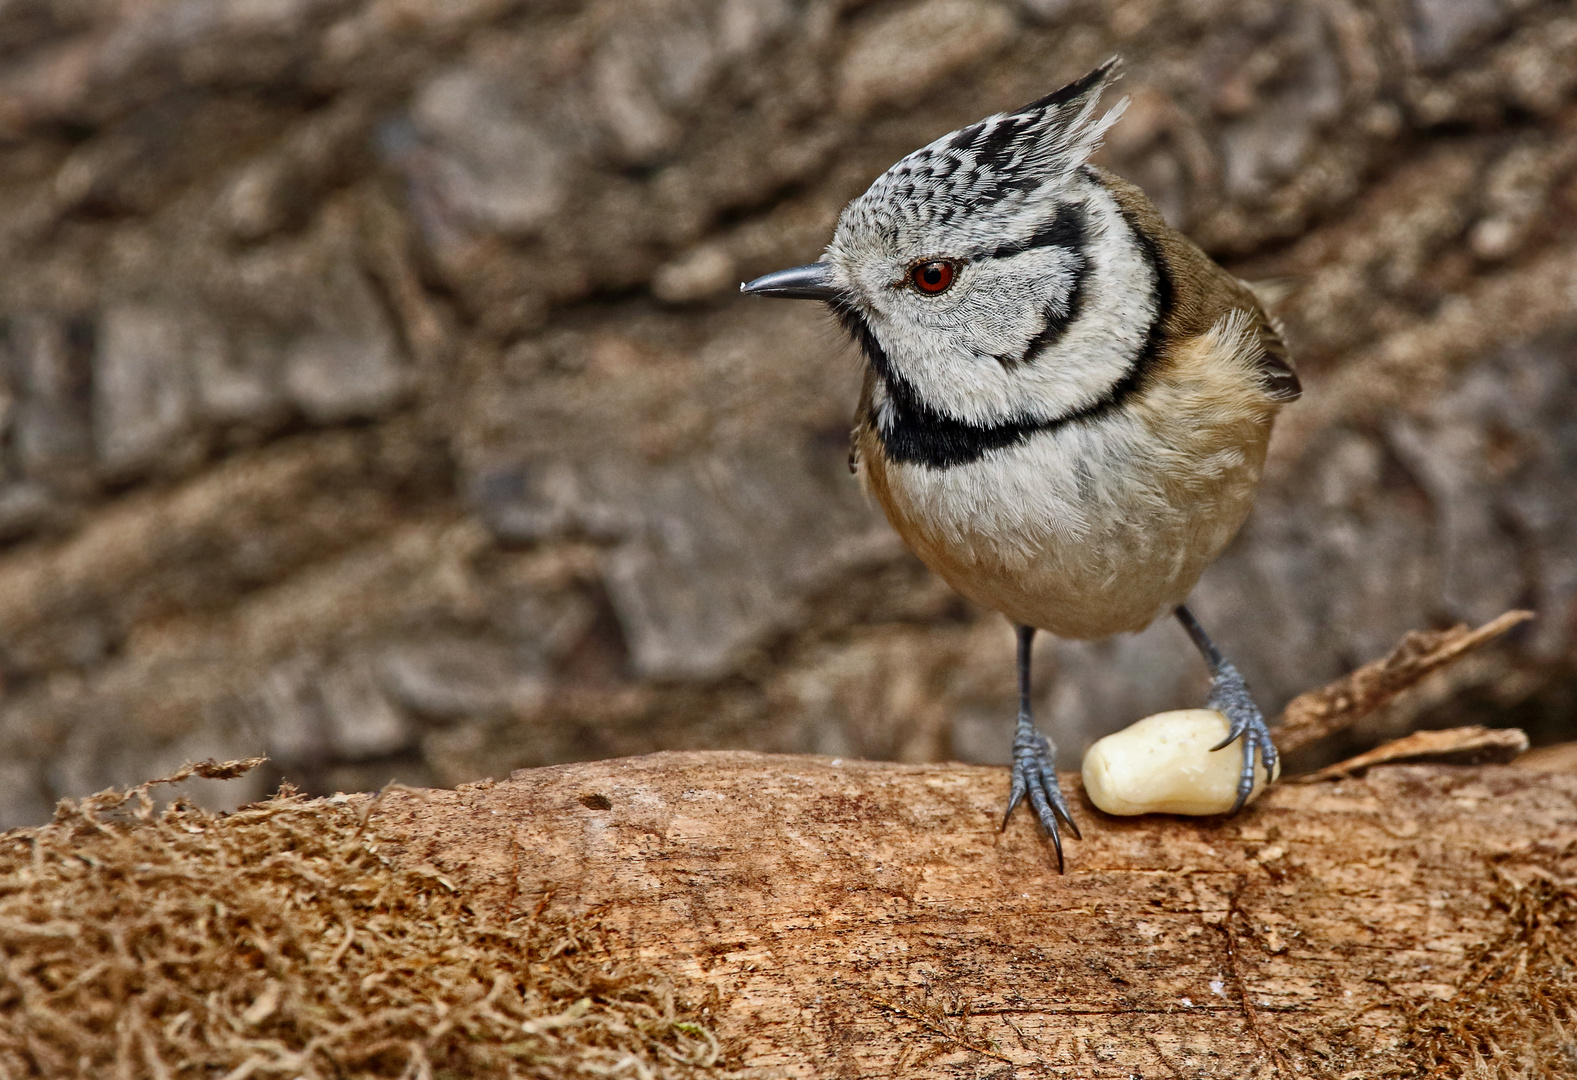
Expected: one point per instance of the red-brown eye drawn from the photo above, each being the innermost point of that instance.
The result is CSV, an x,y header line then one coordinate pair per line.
x,y
933,277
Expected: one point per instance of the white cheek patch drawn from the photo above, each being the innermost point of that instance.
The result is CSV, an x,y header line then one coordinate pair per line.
x,y
1009,302
959,350
1102,344
964,352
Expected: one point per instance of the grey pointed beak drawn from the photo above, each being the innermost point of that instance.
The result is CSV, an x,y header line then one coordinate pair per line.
x,y
811,282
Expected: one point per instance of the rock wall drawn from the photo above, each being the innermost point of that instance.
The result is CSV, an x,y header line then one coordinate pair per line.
x,y
374,393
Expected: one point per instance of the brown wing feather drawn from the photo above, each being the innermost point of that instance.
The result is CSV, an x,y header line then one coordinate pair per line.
x,y
862,419
1203,292
1281,378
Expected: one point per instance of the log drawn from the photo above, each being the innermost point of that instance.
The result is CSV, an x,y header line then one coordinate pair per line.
x,y
856,918
379,398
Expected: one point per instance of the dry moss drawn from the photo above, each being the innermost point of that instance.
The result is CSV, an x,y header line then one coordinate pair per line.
x,y
282,940
1515,1015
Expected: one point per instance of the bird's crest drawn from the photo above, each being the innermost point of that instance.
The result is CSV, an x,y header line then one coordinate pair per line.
x,y
1003,159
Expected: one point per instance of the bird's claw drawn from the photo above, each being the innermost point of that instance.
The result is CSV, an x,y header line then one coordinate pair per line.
x,y
1035,775
1230,697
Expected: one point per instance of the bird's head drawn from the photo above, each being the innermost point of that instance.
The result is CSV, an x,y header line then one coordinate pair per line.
x,y
989,277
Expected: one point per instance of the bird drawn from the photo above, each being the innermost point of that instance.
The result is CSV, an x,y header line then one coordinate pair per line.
x,y
1066,402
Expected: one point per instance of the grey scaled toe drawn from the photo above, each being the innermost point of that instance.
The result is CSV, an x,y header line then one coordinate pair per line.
x,y
1229,696
1035,761
1035,774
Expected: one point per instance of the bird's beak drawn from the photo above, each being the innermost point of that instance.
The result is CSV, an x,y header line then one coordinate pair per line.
x,y
812,282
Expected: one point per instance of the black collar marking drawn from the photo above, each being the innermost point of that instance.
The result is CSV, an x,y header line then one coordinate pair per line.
x,y
917,434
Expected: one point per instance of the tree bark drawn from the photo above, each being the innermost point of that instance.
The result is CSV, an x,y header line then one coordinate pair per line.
x,y
861,919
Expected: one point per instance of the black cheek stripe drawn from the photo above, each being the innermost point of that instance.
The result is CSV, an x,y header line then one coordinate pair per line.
x,y
1066,230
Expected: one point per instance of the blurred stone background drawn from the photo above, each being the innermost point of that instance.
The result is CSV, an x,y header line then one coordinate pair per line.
x,y
374,393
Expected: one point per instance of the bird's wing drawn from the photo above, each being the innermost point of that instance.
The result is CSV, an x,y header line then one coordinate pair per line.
x,y
1203,292
862,419
1281,378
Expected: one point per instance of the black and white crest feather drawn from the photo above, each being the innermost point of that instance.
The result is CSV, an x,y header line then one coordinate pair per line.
x,y
1001,164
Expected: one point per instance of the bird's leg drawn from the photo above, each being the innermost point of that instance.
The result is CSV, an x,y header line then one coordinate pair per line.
x,y
1229,696
1035,760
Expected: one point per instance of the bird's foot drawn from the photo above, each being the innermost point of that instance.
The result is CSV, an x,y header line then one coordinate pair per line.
x,y
1230,697
1035,775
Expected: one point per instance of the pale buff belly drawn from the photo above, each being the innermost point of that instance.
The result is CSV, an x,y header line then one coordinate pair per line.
x,y
1084,533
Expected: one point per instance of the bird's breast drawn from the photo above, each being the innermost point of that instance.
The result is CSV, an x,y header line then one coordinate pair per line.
x,y
1095,527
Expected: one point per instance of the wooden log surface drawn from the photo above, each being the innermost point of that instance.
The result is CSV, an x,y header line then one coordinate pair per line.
x,y
855,918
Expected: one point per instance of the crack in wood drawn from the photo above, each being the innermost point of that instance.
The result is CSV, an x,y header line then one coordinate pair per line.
x,y
935,1021
1234,911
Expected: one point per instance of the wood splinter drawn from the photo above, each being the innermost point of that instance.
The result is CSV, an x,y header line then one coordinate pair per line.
x,y
1319,714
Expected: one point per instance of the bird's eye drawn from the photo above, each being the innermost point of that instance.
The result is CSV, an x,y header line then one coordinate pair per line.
x,y
934,276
